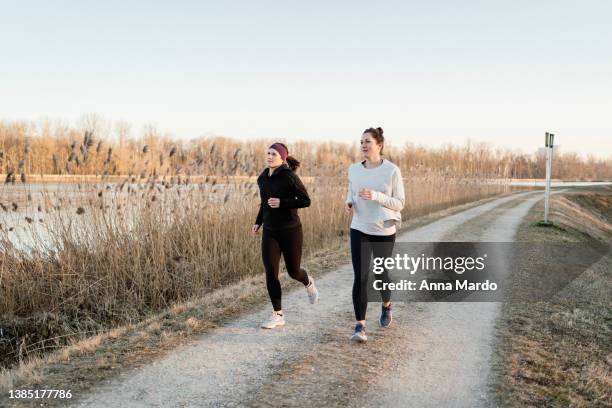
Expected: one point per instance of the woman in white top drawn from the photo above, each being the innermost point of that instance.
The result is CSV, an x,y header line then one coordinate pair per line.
x,y
375,198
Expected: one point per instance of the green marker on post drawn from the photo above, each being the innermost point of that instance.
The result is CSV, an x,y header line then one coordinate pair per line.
x,y
548,139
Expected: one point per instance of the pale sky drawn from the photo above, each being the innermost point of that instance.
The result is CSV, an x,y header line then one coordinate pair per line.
x,y
428,72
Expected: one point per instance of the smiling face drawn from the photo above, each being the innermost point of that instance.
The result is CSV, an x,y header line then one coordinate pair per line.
x,y
273,159
370,147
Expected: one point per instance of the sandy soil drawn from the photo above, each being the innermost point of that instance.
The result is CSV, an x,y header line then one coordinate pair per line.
x,y
434,354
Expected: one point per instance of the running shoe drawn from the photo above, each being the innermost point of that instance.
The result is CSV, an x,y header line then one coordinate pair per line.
x,y
313,293
359,335
274,320
385,316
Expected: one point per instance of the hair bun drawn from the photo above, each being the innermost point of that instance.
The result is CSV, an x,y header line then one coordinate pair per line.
x,y
380,130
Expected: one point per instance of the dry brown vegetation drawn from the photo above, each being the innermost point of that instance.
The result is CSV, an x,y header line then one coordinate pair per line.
x,y
166,221
558,352
86,362
53,148
108,266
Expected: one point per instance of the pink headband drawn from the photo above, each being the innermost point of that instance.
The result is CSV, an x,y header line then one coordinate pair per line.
x,y
282,150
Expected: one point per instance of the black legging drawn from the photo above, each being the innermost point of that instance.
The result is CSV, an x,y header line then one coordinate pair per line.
x,y
361,267
289,243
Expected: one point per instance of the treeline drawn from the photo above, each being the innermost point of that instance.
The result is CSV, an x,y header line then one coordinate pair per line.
x,y
29,148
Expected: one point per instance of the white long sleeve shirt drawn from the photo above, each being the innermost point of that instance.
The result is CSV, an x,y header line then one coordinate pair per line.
x,y
382,214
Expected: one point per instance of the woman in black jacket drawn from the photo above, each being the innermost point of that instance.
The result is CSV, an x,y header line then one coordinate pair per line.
x,y
282,193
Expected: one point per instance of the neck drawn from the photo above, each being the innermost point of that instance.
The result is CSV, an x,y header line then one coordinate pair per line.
x,y
271,169
373,161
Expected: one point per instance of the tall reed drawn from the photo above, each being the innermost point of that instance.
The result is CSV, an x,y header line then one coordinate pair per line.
x,y
103,251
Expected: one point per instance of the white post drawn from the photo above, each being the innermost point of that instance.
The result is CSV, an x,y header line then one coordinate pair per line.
x,y
549,150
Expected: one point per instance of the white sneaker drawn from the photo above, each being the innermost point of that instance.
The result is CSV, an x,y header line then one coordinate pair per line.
x,y
274,320
313,293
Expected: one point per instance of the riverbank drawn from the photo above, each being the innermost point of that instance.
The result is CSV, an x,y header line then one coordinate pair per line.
x,y
558,352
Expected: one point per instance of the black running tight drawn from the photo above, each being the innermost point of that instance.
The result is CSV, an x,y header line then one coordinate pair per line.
x,y
361,253
289,243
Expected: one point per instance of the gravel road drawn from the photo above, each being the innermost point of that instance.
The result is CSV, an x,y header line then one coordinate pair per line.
x,y
433,355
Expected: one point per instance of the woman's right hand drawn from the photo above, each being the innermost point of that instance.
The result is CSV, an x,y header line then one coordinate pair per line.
x,y
348,207
255,229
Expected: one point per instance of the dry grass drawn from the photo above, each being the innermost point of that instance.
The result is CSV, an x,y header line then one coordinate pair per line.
x,y
84,363
113,252
558,353
112,267
98,147
152,223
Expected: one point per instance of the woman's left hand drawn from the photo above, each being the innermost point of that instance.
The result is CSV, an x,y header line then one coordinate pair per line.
x,y
366,194
274,202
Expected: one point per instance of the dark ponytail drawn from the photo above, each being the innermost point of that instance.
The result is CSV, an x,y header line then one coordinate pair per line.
x,y
377,134
293,163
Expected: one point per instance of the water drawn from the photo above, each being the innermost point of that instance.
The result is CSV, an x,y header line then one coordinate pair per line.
x,y
43,208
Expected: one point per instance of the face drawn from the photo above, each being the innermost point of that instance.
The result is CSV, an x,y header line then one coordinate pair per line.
x,y
369,147
273,159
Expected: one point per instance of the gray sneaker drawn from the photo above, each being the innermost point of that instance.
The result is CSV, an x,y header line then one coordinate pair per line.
x,y
386,317
359,335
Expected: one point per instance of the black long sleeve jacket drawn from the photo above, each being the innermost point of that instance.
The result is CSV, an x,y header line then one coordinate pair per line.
x,y
287,186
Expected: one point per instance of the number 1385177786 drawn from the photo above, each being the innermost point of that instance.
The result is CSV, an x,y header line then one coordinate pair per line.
x,y
39,394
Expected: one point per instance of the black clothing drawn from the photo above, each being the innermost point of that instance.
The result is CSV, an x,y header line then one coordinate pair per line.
x,y
282,229
361,253
287,186
289,243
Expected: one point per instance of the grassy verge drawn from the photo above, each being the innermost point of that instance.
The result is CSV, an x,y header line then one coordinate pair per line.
x,y
87,362
558,352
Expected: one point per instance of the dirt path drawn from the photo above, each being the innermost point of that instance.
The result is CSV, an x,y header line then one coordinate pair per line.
x,y
435,354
